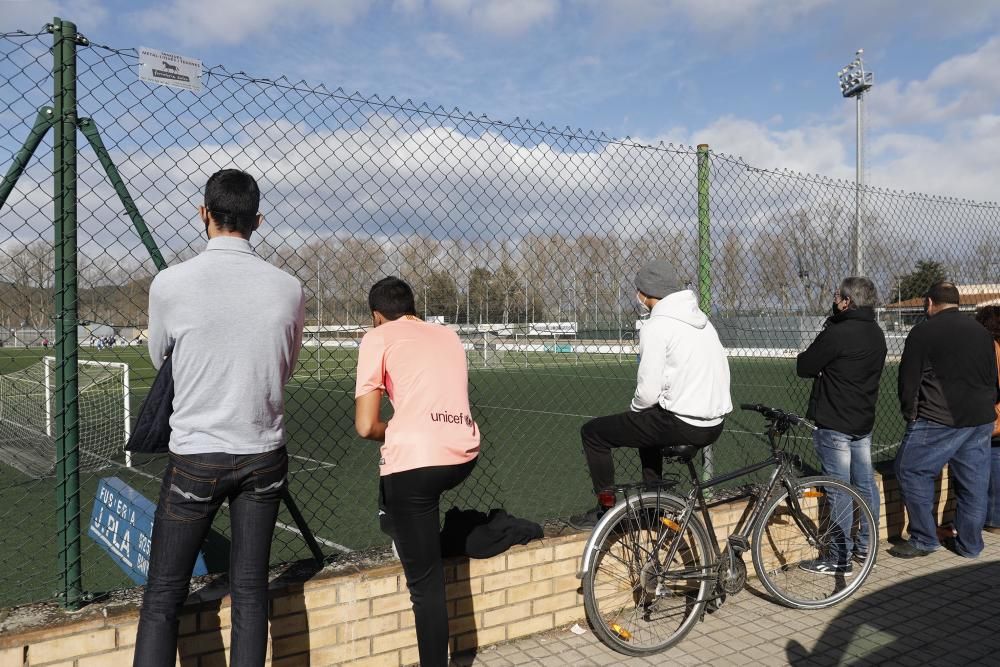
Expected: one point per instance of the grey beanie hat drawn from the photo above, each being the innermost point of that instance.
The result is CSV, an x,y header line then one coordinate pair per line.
x,y
658,279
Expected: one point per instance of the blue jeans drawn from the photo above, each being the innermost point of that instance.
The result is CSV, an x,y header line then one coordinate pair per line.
x,y
194,488
993,511
926,447
849,459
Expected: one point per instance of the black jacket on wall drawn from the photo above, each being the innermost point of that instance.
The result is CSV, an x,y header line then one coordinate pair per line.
x,y
846,360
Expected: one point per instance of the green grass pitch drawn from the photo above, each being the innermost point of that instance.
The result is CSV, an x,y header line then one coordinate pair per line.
x,y
529,409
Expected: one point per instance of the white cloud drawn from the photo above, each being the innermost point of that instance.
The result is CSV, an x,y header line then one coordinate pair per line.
x,y
439,45
961,163
408,7
737,18
808,149
500,17
722,15
197,22
960,87
31,15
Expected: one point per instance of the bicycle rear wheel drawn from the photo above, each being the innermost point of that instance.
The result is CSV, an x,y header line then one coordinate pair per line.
x,y
816,546
637,603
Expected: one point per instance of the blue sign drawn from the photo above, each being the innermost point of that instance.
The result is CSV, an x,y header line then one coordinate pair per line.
x,y
122,524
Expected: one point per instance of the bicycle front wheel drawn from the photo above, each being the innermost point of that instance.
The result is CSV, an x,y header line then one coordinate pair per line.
x,y
637,601
815,546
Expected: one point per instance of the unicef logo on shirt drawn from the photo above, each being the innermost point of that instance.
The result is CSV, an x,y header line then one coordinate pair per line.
x,y
459,418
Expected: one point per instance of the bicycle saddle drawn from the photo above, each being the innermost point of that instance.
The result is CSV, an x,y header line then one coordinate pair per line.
x,y
682,452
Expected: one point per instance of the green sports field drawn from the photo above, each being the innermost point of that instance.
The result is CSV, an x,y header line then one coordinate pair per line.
x,y
529,407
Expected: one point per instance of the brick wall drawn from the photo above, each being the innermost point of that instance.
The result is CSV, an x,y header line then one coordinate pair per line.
x,y
364,618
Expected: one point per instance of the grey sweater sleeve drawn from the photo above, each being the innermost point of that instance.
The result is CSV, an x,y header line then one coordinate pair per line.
x,y
159,339
300,321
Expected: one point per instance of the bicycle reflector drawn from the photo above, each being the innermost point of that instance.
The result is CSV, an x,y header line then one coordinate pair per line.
x,y
669,523
606,498
814,493
621,632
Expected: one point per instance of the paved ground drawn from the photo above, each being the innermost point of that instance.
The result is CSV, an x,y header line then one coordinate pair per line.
x,y
938,610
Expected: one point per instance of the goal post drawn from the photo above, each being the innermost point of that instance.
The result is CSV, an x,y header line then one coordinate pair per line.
x,y
27,416
104,410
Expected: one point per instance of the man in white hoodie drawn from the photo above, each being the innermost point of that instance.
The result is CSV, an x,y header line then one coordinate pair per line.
x,y
682,391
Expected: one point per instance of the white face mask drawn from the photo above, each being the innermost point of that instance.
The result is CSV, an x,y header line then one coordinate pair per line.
x,y
642,304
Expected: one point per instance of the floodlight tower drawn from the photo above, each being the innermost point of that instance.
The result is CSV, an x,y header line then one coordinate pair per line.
x,y
854,81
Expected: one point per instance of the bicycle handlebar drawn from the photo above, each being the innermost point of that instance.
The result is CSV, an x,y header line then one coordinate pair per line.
x,y
774,414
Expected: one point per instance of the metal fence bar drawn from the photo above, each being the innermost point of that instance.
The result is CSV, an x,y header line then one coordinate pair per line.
x,y
43,122
705,271
704,230
59,393
89,129
67,381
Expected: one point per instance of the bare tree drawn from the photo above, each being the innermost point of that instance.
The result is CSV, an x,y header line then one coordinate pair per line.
x,y
733,272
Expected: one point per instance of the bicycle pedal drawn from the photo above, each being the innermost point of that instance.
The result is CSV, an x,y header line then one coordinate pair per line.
x,y
738,544
714,604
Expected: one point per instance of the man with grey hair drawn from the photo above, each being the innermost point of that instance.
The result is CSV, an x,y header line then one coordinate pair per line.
x,y
682,389
845,361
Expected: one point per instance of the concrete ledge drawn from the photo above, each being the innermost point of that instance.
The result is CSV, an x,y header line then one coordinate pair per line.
x,y
361,615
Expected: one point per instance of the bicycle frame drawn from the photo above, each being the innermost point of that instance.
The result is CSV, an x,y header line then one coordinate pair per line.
x,y
695,499
783,474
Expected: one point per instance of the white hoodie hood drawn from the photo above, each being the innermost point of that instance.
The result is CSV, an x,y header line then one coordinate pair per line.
x,y
681,306
682,365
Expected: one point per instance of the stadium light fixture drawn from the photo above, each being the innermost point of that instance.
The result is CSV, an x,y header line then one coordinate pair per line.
x,y
854,82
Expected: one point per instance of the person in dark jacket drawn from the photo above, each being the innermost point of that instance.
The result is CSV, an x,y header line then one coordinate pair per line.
x,y
846,362
989,317
947,394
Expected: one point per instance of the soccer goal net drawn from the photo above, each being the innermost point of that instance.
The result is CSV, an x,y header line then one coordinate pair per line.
x,y
480,349
27,416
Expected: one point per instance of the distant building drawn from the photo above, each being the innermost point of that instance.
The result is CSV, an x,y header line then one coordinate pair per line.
x,y
970,297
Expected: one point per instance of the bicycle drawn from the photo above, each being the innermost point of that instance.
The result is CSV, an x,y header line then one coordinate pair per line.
x,y
652,566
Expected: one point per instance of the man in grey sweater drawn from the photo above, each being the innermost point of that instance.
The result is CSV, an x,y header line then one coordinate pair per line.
x,y
233,325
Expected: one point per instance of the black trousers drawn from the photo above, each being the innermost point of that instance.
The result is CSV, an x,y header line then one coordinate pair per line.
x,y
648,431
412,500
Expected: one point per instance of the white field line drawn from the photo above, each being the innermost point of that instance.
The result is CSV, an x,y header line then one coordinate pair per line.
x,y
322,464
538,412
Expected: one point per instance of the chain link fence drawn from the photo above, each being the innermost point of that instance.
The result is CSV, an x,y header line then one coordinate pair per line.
x,y
523,237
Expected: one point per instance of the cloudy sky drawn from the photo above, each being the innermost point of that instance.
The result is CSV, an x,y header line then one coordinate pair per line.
x,y
754,78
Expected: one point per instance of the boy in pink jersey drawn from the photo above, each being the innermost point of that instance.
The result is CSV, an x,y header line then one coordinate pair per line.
x,y
431,442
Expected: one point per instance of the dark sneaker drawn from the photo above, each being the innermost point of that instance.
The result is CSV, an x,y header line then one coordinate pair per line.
x,y
820,566
587,520
907,550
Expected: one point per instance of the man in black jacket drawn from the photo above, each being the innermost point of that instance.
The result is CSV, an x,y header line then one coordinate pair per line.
x,y
846,361
947,393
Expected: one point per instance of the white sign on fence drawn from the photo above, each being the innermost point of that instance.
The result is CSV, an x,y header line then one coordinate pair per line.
x,y
169,69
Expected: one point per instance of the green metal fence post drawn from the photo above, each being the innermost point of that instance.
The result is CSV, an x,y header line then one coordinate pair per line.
x,y
704,270
57,296
66,380
89,129
704,232
43,121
